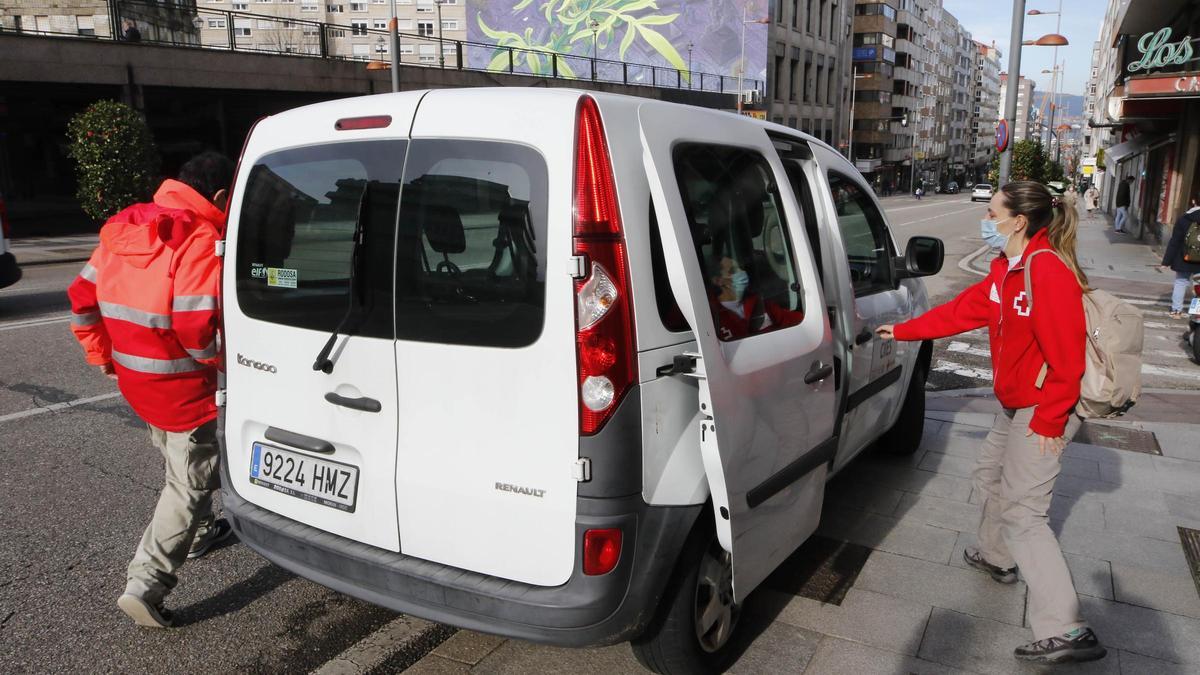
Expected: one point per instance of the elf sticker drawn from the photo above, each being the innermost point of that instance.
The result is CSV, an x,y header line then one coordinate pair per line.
x,y
281,277
258,271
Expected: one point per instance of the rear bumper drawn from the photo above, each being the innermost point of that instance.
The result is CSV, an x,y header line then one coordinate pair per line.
x,y
595,610
10,273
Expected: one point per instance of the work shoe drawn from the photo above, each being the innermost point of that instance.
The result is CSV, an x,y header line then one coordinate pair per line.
x,y
1077,646
975,559
143,613
219,532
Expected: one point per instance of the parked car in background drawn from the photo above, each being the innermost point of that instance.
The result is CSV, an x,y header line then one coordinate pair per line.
x,y
1057,187
982,192
10,273
951,188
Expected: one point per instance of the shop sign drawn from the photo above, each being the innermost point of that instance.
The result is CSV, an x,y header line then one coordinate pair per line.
x,y
1158,52
756,114
1186,84
865,53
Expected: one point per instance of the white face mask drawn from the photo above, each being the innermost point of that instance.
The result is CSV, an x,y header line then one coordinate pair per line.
x,y
992,236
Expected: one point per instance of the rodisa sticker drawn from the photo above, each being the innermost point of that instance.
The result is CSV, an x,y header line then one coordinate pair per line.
x,y
282,277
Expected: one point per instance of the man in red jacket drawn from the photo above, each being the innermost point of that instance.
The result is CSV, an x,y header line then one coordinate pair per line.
x,y
145,309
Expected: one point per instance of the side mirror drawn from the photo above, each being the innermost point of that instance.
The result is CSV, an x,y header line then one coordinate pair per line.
x,y
923,257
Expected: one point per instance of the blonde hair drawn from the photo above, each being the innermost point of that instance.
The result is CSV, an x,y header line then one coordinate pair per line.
x,y
1053,213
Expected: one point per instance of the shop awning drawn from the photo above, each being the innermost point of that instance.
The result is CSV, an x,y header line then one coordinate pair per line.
x,y
1144,16
1122,151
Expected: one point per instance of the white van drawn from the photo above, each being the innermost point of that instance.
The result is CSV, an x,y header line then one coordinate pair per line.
x,y
562,366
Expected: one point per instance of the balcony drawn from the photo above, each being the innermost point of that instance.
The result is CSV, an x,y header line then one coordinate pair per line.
x,y
906,74
897,155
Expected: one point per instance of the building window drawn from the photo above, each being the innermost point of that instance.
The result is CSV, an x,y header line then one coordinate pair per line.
x,y
310,30
308,5
379,24
265,24
425,28
240,5
86,25
360,51
358,27
450,24
263,2
241,27
407,49
358,7
404,24
216,23
335,9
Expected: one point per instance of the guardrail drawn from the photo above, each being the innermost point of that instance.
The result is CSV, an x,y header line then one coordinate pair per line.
x,y
184,24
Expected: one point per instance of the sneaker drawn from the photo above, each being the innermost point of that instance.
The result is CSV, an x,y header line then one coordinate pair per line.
x,y
219,532
1077,646
143,613
1176,315
975,559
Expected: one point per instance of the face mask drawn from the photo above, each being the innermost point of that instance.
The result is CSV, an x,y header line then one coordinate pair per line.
x,y
739,282
991,235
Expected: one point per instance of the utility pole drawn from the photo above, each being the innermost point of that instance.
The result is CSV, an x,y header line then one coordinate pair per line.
x,y
1014,81
441,52
394,34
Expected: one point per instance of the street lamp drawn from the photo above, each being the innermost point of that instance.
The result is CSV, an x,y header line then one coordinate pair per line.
x,y
742,60
595,26
394,35
689,48
441,51
853,95
1053,72
1014,76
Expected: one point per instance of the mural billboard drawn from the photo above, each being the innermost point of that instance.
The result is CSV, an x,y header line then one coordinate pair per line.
x,y
649,32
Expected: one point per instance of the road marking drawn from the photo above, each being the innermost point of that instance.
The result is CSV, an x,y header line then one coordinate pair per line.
x,y
43,321
56,407
403,632
1164,371
965,371
933,203
937,217
964,348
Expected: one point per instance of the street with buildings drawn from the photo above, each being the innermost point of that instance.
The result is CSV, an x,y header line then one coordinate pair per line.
x,y
907,90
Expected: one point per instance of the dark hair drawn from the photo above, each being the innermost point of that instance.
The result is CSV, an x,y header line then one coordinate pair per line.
x,y
207,173
1046,211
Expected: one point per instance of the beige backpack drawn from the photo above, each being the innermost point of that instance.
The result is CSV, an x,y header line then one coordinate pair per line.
x,y
1112,379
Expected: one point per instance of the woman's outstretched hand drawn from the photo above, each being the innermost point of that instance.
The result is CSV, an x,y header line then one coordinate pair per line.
x,y
886,331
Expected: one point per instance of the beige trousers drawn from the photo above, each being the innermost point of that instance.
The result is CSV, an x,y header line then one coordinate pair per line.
x,y
1015,480
184,509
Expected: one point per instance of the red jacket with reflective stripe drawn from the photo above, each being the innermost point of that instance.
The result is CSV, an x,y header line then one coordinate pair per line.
x,y
147,302
1053,332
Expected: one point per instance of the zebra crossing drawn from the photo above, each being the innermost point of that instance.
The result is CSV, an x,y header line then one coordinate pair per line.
x,y
965,360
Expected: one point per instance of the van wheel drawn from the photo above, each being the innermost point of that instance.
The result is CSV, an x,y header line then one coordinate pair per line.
x,y
697,616
905,435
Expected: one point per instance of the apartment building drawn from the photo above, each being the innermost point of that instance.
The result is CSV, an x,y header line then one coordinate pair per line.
x,y
1024,127
985,111
808,77
167,22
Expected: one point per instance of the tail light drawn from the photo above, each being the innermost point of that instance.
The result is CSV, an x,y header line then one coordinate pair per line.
x,y
603,310
601,551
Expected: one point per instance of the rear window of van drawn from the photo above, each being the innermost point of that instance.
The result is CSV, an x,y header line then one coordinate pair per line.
x,y
452,240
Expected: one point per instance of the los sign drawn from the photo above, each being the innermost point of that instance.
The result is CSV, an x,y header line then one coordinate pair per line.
x,y
1157,52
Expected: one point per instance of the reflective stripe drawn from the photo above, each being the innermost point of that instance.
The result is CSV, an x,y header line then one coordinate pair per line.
x,y
111,310
143,364
208,352
85,319
193,303
88,272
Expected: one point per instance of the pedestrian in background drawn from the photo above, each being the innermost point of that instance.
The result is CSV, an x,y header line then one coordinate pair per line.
x,y
1040,362
1176,257
1122,203
145,309
1091,199
131,32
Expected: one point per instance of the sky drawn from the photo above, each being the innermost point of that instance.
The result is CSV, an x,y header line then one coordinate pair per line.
x,y
992,20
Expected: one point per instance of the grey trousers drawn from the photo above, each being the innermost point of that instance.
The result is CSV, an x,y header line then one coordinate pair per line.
x,y
184,509
1015,480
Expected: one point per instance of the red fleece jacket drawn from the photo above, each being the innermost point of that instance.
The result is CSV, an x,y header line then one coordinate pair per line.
x,y
1054,333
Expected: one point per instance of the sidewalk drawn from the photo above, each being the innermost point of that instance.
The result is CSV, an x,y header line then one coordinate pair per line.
x,y
53,250
892,534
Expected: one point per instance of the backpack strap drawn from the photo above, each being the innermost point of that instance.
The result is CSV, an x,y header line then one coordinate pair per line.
x,y
1041,378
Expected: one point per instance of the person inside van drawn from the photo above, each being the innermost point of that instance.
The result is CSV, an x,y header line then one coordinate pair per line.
x,y
1040,360
145,310
739,312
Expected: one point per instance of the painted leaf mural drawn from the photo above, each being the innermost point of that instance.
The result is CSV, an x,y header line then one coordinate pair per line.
x,y
650,32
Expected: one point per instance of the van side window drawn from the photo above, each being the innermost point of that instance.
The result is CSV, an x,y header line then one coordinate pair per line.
x,y
664,297
865,235
471,244
295,244
736,217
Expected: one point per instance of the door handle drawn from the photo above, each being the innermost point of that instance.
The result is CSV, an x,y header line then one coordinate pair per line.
x,y
863,338
360,403
299,440
817,372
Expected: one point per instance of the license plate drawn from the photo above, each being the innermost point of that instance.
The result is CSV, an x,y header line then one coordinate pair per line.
x,y
1195,306
312,479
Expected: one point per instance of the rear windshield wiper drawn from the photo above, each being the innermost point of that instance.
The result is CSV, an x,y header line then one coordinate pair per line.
x,y
323,362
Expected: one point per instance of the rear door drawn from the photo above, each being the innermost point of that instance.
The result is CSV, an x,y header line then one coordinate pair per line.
x,y
317,446
742,272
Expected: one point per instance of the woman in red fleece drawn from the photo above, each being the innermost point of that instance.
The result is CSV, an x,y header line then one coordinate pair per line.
x,y
1021,457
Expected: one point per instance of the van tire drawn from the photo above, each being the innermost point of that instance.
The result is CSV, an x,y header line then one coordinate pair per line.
x,y
904,437
670,644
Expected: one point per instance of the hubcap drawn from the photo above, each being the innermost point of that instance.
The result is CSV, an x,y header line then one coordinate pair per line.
x,y
715,612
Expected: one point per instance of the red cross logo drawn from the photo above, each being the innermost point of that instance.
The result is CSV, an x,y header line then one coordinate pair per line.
x,y
1020,304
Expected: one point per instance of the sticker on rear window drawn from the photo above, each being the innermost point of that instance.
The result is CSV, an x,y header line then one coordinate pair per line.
x,y
281,277
258,271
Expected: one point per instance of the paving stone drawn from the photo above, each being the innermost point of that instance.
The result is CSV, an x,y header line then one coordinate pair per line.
x,y
954,465
517,657
938,512
1146,522
913,480
436,665
1173,592
943,586
884,533
973,419
1149,479
1109,455
864,497
871,618
780,648
841,657
984,646
1183,507
1176,440
468,647
1117,547
1092,577
957,440
1160,635
1136,664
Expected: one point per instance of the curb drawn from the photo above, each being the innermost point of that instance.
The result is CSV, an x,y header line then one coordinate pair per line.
x,y
966,263
397,645
55,261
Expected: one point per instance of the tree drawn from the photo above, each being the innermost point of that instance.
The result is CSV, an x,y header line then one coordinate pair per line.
x,y
1052,171
117,163
1028,161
